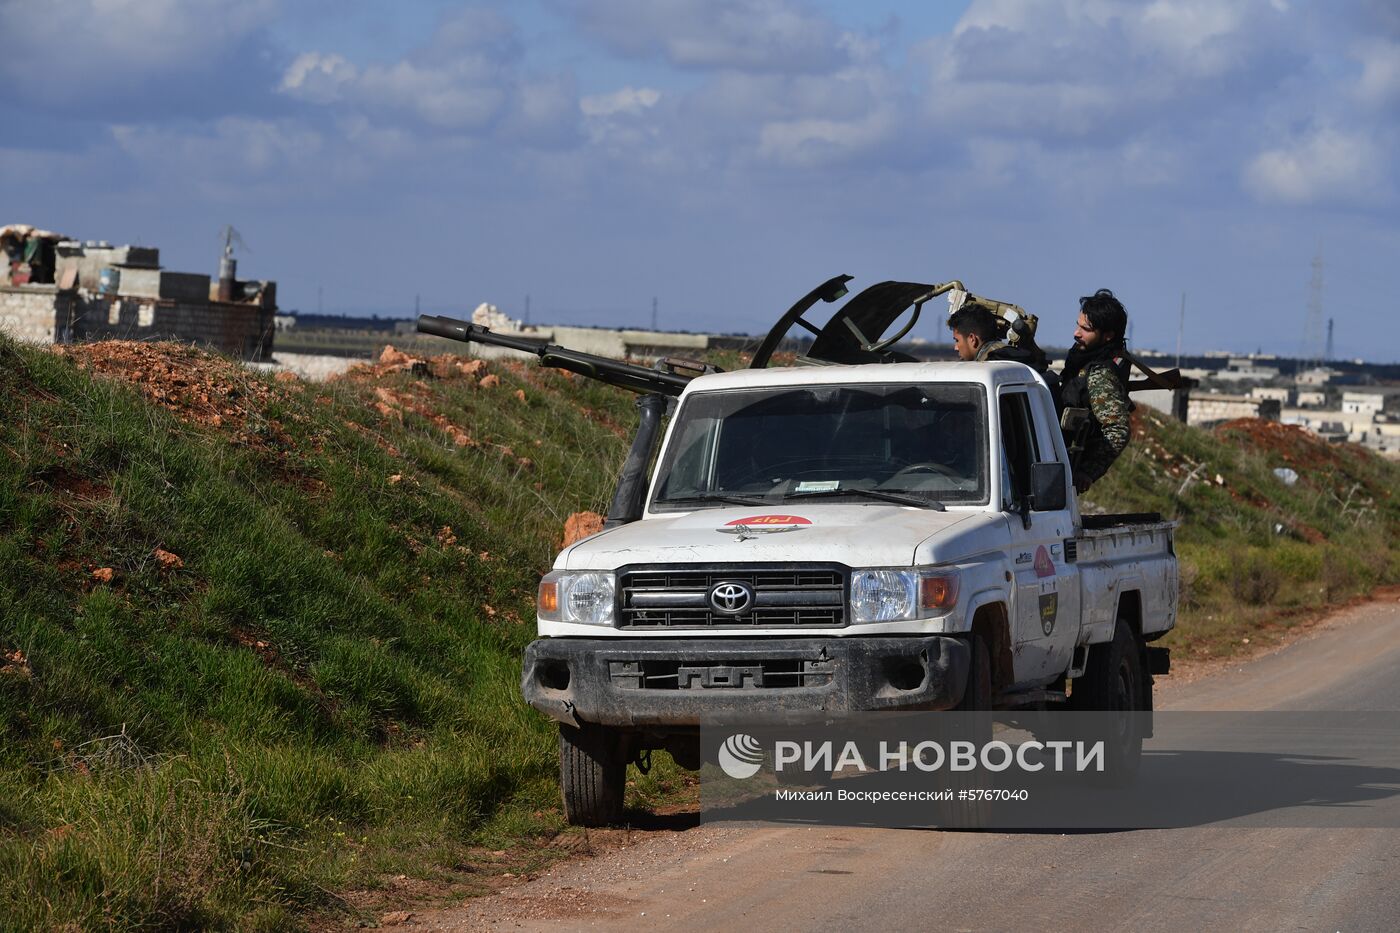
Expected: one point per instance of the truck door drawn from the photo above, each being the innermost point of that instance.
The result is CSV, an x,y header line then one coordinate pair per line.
x,y
1045,604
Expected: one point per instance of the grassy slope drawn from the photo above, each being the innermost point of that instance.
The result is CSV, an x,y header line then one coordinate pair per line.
x,y
329,675
1257,555
326,691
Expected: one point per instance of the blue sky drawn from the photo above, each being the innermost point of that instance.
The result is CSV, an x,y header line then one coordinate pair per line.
x,y
725,156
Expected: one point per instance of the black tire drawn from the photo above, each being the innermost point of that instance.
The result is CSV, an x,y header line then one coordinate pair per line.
x,y
977,696
592,774
1114,681
974,714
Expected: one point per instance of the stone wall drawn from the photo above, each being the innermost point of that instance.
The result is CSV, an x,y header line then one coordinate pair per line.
x,y
241,331
1211,408
43,314
29,312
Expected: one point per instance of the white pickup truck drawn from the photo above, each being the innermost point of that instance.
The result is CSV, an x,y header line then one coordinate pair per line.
x,y
817,540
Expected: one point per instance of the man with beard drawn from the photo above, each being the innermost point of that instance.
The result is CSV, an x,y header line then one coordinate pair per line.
x,y
1095,378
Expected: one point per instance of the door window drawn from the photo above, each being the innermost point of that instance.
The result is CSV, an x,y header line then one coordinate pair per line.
x,y
1019,449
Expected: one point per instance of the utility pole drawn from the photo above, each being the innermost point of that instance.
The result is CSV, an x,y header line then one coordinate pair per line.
x,y
1312,326
653,313
1327,357
416,310
1180,329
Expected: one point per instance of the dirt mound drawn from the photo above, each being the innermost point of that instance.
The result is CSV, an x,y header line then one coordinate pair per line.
x,y
392,360
197,386
580,525
1294,445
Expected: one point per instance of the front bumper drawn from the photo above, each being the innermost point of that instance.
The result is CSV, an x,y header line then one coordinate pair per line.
x,y
658,683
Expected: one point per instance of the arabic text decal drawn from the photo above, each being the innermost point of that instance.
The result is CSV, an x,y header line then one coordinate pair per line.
x,y
771,520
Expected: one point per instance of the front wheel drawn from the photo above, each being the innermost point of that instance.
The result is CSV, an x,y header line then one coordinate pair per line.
x,y
592,773
973,723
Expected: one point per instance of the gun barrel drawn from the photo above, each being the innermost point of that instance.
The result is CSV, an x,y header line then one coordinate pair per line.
x,y
604,369
467,332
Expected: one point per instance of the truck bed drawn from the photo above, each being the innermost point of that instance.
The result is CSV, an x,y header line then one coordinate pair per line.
x,y
1128,555
1114,520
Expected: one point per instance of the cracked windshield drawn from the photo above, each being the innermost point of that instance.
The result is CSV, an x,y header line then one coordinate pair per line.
x,y
913,445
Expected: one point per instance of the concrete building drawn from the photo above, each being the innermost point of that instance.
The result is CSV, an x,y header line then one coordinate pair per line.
x,y
1281,394
600,341
1214,407
1359,428
1243,369
1318,376
1311,398
1374,401
96,291
1362,402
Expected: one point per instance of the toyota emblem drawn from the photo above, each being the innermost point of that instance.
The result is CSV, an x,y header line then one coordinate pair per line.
x,y
731,598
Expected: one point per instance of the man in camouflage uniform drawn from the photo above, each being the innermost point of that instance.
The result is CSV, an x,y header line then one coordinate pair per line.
x,y
977,333
1096,377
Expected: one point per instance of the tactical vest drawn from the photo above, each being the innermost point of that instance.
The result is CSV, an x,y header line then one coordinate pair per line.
x,y
1074,392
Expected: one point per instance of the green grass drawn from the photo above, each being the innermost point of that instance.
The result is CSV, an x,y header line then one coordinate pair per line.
x,y
1258,556
336,660
325,694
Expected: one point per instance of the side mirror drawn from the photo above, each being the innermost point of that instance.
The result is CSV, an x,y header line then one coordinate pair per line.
x,y
1048,487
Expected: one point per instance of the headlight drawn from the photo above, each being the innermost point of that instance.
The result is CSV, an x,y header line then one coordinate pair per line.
x,y
577,597
901,595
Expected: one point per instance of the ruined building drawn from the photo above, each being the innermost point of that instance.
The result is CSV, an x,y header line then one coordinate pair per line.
x,y
57,290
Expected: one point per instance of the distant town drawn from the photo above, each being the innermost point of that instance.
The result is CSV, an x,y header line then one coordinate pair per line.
x,y
56,289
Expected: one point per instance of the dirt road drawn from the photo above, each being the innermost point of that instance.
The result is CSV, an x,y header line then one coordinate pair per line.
x,y
742,877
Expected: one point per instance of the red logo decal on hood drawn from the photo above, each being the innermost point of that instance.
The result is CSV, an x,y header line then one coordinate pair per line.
x,y
1044,566
771,520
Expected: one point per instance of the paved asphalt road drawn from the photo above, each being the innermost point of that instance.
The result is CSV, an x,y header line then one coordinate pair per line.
x,y
746,877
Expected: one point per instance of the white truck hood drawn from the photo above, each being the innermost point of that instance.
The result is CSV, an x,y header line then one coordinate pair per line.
x,y
863,535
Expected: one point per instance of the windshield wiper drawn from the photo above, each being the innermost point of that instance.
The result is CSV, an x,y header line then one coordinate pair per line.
x,y
715,497
916,501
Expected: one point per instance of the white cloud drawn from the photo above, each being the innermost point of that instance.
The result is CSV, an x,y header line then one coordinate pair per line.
x,y
1380,71
231,157
628,100
1325,166
64,52
744,35
317,78
457,96
1077,68
818,141
466,80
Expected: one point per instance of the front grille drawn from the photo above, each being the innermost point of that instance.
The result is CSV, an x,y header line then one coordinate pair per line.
x,y
805,596
750,674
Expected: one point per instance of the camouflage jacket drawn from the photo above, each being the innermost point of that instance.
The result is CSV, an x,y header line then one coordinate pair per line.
x,y
985,351
1108,428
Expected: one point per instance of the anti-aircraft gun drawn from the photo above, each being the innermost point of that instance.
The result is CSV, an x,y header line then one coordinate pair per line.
x,y
855,334
858,333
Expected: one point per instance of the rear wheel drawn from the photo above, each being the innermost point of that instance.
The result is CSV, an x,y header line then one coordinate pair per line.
x,y
1114,682
592,773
